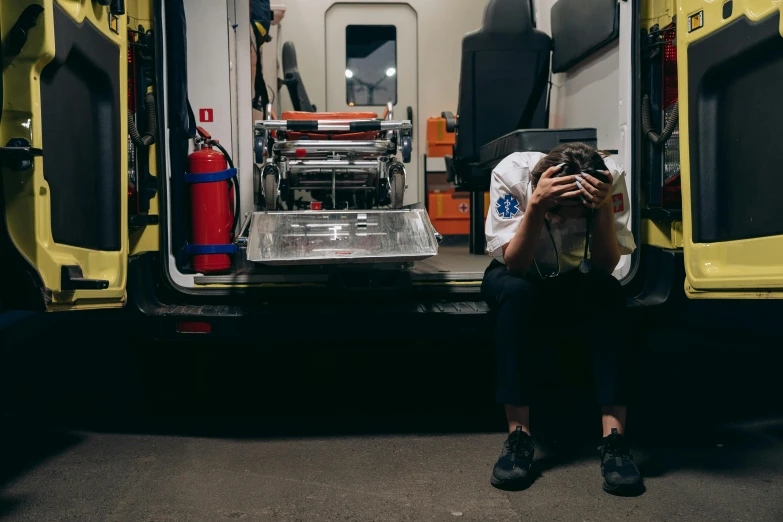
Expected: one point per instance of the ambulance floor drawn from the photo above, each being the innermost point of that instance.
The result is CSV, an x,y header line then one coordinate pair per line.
x,y
452,260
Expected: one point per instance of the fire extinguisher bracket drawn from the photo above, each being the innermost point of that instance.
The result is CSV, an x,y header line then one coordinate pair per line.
x,y
211,177
211,249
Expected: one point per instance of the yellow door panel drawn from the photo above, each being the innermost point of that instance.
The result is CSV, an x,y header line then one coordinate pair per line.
x,y
730,62
657,12
66,93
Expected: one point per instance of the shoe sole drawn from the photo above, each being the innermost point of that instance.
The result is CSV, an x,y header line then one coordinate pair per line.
x,y
623,489
510,485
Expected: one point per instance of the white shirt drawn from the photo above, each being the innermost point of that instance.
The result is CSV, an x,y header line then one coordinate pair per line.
x,y
509,194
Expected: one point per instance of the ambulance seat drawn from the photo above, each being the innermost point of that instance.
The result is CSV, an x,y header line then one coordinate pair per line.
x,y
293,80
503,86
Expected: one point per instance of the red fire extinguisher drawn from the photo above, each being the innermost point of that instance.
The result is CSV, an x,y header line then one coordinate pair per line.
x,y
214,194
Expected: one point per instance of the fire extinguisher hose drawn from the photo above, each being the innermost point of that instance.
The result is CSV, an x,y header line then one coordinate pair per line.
x,y
234,182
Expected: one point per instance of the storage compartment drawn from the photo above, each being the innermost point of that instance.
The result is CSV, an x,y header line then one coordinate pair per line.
x,y
439,142
450,212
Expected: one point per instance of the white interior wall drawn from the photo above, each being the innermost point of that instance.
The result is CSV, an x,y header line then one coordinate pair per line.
x,y
597,93
209,64
441,26
587,95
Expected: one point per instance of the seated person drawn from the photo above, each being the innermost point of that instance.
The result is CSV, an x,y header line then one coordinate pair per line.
x,y
556,232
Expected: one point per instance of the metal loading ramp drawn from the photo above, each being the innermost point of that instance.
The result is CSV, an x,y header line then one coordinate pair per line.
x,y
340,237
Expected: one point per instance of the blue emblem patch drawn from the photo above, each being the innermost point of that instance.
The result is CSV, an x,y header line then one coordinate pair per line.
x,y
507,206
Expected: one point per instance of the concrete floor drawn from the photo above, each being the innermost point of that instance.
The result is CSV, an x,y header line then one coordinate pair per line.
x,y
177,431
413,477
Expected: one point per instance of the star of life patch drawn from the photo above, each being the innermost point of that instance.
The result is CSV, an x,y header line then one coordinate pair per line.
x,y
507,206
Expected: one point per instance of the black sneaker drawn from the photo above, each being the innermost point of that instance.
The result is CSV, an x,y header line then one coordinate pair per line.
x,y
512,470
617,466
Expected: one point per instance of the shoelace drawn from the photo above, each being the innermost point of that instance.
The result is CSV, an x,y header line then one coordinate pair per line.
x,y
518,448
616,448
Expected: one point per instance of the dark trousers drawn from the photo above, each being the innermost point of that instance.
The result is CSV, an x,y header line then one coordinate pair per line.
x,y
531,314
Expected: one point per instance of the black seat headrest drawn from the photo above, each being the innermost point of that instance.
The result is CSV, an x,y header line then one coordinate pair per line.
x,y
508,16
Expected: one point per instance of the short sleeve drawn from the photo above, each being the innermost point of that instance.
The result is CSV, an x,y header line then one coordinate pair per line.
x,y
622,208
507,202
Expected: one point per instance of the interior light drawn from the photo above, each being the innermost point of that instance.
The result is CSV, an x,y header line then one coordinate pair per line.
x,y
391,71
348,73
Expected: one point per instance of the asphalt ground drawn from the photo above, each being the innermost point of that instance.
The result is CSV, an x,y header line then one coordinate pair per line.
x,y
99,424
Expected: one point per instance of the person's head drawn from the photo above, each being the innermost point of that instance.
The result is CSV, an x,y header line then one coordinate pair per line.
x,y
576,158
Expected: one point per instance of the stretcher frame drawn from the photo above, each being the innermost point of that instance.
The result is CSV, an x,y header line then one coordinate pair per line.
x,y
372,163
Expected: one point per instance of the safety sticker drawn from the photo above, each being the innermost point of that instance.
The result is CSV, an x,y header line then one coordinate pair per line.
x,y
114,23
507,206
696,21
464,207
618,202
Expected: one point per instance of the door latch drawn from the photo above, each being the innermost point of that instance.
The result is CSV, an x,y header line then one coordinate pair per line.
x,y
18,154
72,278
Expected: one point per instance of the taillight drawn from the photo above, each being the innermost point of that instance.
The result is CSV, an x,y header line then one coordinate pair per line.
x,y
671,149
669,66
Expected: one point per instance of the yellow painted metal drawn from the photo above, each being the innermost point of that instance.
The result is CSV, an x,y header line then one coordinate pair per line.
x,y
752,268
657,12
27,193
662,234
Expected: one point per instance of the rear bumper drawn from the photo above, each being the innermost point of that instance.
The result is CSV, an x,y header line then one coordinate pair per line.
x,y
333,316
302,314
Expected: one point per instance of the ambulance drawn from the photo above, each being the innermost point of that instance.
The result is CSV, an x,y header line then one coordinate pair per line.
x,y
173,159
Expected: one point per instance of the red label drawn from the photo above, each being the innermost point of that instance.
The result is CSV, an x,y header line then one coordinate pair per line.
x,y
206,115
464,207
618,202
315,205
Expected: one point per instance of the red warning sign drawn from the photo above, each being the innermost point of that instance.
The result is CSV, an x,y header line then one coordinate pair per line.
x,y
206,115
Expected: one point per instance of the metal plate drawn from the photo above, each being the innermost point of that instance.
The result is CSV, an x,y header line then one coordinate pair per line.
x,y
335,237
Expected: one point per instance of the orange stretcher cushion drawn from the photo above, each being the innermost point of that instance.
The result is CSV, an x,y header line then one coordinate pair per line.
x,y
298,115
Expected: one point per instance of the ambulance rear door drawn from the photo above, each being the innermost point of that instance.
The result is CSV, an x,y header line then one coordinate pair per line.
x,y
63,130
730,60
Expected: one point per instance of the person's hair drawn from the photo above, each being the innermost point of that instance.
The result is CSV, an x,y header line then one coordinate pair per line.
x,y
577,157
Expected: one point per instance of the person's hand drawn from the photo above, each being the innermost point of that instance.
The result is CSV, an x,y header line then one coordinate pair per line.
x,y
553,191
594,193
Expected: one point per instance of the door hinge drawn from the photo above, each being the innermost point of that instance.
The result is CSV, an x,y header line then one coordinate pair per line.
x,y
72,278
143,219
17,36
18,154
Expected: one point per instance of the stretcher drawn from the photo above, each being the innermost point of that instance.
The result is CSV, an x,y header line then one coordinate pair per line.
x,y
352,166
343,160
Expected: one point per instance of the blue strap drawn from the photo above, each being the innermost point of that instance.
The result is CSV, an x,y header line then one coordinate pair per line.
x,y
211,249
211,177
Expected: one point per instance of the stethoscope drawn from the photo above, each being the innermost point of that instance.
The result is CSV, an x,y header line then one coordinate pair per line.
x,y
584,266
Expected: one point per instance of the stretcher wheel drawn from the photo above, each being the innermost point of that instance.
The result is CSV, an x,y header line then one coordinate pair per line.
x,y
397,187
270,191
407,149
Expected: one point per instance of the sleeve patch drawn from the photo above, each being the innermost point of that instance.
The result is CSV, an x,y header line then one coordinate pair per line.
x,y
618,202
507,206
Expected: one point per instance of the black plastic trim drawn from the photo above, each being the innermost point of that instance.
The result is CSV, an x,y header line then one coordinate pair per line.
x,y
365,126
580,28
72,278
302,125
80,124
636,141
735,114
